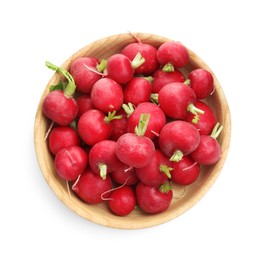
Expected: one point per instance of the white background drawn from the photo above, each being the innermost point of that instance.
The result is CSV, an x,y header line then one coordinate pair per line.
x,y
228,223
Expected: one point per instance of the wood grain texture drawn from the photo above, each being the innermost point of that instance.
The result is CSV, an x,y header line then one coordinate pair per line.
x,y
100,214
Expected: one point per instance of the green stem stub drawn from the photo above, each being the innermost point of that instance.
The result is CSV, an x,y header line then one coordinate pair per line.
x,y
165,169
142,125
187,82
195,111
70,87
177,156
166,187
111,116
102,65
103,170
154,98
138,60
149,78
168,68
217,130
128,108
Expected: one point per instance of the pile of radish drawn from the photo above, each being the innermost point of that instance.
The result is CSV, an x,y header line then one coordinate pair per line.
x,y
122,130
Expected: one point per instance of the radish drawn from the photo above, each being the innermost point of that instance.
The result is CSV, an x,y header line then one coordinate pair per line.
x,y
173,53
153,199
58,105
208,151
107,95
185,172
61,137
121,69
119,127
93,126
177,99
157,171
138,90
83,76
201,81
122,200
102,158
161,78
135,149
89,187
124,173
178,138
84,103
70,162
204,122
147,51
156,122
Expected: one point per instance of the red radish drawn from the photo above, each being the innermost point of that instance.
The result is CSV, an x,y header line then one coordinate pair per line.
x,y
58,105
157,171
156,122
153,199
209,150
85,78
177,99
89,187
201,81
61,137
178,138
121,68
138,90
185,172
162,78
119,127
147,51
174,53
93,126
204,122
107,95
122,200
84,103
70,162
135,149
124,173
102,158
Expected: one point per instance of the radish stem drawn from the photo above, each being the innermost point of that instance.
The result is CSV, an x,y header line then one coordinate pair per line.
x,y
142,125
165,169
95,71
70,88
187,82
216,130
149,78
154,98
103,170
194,110
111,116
138,60
177,156
168,68
128,108
164,188
102,65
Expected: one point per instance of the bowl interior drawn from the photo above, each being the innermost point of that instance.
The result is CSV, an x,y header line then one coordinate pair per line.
x,y
184,197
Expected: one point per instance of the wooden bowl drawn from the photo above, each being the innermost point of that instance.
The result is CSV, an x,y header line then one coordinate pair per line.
x,y
184,197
